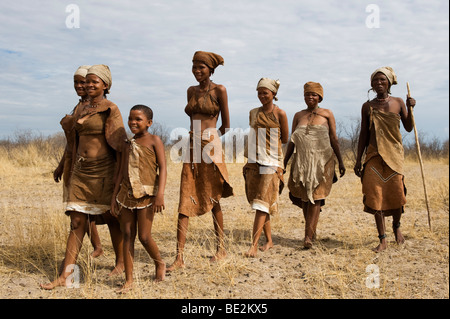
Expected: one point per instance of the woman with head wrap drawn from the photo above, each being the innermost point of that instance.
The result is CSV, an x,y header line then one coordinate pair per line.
x,y
315,145
204,176
97,137
64,168
380,141
263,173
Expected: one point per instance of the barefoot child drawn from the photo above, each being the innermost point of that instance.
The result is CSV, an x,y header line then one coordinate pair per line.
x,y
139,191
380,139
263,172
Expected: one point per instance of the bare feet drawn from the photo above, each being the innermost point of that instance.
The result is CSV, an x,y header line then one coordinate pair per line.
x,y
177,264
127,286
382,246
251,252
307,243
160,272
266,246
97,252
220,254
398,234
60,281
117,270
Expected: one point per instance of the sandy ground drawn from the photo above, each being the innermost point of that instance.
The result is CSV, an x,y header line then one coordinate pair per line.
x,y
33,231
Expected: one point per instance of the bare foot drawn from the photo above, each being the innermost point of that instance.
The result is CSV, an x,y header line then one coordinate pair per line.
x,y
117,270
160,272
266,246
251,252
398,235
60,281
97,252
382,246
177,264
220,254
307,244
127,286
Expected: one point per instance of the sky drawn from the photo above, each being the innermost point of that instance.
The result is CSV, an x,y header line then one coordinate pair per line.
x,y
149,45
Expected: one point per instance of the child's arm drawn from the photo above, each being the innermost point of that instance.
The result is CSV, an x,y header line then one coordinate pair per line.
x,y
161,160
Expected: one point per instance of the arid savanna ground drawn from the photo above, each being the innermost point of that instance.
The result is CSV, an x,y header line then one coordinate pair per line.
x,y
341,265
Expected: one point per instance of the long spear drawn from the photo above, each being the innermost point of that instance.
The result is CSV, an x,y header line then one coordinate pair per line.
x,y
420,159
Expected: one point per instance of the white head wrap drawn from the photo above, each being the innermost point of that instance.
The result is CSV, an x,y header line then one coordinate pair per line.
x,y
82,70
103,72
388,71
270,84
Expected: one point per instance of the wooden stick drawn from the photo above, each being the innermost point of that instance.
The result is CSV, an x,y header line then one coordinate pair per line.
x,y
419,155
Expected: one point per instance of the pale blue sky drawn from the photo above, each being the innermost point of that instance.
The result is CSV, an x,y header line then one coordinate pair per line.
x,y
149,45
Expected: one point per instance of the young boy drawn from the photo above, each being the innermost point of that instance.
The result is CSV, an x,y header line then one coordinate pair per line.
x,y
139,191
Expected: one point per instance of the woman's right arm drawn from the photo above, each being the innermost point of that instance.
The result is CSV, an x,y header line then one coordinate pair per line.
x,y
291,146
363,137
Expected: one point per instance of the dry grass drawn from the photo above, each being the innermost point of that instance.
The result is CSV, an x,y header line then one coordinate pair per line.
x,y
33,234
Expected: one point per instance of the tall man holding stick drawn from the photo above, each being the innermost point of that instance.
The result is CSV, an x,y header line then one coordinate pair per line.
x,y
383,187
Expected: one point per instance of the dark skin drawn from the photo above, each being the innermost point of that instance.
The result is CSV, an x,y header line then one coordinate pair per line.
x,y
202,74
79,83
380,84
314,115
262,219
140,221
90,146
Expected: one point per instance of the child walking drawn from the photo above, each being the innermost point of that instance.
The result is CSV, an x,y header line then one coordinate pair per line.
x,y
139,191
263,172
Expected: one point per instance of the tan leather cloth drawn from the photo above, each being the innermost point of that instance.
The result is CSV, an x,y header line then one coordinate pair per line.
x,y
206,104
263,173
383,189
386,139
383,183
102,169
313,163
267,125
91,185
142,170
141,178
204,180
262,186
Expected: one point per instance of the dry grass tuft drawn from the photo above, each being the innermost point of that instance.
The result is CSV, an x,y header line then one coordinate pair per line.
x,y
34,229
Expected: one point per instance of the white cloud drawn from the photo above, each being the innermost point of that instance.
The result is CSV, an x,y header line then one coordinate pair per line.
x,y
149,46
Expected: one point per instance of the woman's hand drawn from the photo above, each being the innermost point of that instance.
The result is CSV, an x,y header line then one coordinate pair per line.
x,y
358,169
57,173
342,169
410,102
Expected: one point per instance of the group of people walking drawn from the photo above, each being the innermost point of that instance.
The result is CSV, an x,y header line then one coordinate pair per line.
x,y
111,179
